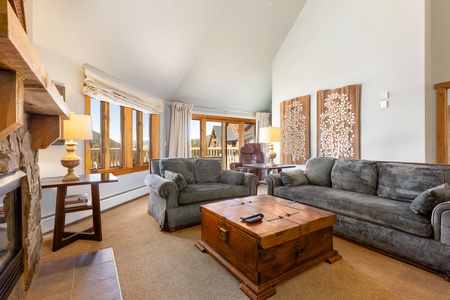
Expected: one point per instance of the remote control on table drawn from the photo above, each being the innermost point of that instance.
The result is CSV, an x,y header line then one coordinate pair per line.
x,y
252,215
255,219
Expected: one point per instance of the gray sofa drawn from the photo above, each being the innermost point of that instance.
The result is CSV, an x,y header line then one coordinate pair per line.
x,y
178,186
399,209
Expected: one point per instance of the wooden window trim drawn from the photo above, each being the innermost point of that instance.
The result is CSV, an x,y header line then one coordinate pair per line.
x,y
224,122
442,122
127,140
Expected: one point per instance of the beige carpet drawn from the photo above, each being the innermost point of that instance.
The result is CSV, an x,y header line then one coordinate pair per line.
x,y
157,265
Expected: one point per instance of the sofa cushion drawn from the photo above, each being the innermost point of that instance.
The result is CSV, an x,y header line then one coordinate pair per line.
x,y
355,175
178,165
427,201
293,178
232,177
207,170
386,212
318,170
177,178
406,181
201,192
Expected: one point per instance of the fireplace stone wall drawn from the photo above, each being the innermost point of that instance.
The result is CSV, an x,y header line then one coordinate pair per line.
x,y
16,153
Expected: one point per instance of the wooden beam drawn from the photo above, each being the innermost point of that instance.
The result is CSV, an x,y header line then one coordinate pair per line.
x,y
18,54
17,6
45,130
11,102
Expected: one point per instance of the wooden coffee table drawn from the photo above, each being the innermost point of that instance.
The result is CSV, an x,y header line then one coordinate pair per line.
x,y
291,238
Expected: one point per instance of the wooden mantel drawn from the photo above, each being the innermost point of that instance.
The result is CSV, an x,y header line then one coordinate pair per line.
x,y
32,89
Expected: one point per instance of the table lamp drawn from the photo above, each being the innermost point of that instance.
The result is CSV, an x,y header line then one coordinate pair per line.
x,y
270,135
78,127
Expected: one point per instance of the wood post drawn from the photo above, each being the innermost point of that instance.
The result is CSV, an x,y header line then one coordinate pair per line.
x,y
11,102
442,122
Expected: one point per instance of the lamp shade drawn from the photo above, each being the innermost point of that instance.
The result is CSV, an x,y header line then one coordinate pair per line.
x,y
79,127
269,134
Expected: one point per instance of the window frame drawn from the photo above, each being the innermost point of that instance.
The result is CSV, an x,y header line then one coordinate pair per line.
x,y
224,121
127,140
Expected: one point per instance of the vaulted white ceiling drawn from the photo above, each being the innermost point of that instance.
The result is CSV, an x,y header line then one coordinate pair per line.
x,y
214,53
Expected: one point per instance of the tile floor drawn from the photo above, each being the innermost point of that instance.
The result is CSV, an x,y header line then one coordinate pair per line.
x,y
88,276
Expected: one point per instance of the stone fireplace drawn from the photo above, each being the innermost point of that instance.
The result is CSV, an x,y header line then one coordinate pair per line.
x,y
16,154
31,112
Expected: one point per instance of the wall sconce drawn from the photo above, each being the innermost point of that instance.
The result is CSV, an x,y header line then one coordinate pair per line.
x,y
270,135
78,127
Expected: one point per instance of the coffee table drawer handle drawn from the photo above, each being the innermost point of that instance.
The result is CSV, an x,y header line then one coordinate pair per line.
x,y
301,251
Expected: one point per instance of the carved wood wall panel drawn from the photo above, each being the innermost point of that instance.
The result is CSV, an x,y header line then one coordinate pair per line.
x,y
295,130
338,113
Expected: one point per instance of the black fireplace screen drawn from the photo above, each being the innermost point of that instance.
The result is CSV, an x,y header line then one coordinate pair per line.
x,y
11,252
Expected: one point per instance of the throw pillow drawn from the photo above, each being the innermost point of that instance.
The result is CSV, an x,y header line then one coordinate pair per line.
x,y
293,178
232,177
318,170
427,201
177,178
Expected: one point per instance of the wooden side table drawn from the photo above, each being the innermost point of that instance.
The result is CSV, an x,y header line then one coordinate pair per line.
x,y
261,166
63,238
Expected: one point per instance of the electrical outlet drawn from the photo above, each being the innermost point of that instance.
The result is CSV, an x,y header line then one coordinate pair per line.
x,y
383,104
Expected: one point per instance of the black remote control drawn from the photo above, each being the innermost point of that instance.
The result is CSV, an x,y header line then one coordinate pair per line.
x,y
255,219
252,215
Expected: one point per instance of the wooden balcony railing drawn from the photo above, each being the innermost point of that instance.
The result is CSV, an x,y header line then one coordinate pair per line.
x,y
232,153
115,155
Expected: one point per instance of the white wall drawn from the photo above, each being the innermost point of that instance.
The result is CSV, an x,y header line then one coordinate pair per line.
x,y
440,23
129,187
379,44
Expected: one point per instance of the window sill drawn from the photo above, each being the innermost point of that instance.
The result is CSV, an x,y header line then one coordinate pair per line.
x,y
122,171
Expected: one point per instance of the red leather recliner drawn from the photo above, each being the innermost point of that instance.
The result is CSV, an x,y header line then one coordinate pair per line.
x,y
249,154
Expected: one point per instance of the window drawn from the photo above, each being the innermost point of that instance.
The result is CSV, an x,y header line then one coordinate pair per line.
x,y
121,138
213,136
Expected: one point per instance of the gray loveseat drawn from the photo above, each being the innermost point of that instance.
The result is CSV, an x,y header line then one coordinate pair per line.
x,y
399,209
178,186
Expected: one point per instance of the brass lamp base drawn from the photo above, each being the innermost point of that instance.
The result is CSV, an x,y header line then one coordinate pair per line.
x,y
70,161
271,155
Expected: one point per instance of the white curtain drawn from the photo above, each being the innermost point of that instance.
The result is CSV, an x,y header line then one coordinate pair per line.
x,y
180,141
262,120
104,87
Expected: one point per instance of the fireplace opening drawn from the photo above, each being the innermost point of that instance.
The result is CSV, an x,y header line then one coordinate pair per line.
x,y
11,250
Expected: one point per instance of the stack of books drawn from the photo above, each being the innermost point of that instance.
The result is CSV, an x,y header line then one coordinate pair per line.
x,y
76,200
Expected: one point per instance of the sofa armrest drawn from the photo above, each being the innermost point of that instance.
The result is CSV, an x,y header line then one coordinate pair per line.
x,y
272,181
163,188
440,220
251,181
